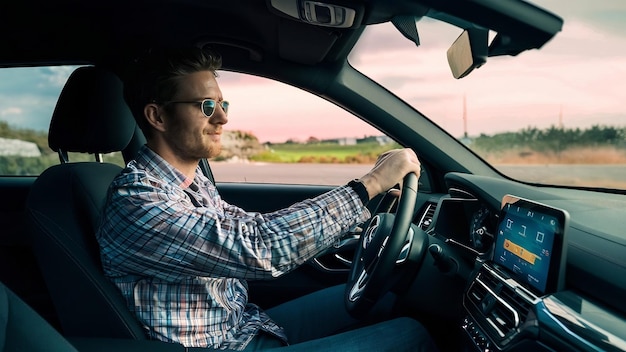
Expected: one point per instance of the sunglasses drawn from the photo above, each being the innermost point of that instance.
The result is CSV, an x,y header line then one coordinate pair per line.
x,y
207,105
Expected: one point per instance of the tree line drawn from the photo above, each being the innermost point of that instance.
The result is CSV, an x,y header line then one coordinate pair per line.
x,y
553,139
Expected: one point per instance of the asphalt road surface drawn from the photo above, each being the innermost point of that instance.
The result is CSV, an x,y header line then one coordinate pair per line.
x,y
610,176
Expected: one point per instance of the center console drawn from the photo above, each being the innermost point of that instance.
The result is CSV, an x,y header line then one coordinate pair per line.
x,y
525,265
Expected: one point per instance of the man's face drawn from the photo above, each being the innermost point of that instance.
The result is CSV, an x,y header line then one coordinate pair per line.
x,y
190,134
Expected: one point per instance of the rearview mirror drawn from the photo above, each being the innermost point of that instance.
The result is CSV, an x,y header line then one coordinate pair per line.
x,y
469,51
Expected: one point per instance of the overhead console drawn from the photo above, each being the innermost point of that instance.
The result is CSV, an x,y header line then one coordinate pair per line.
x,y
320,13
526,265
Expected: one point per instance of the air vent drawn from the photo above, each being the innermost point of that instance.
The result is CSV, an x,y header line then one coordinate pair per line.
x,y
427,216
477,294
518,303
489,280
502,309
506,293
502,319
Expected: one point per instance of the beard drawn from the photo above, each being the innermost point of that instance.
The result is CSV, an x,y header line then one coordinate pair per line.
x,y
214,150
192,144
199,147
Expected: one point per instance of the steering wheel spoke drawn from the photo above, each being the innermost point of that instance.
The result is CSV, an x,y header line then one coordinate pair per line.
x,y
357,287
404,252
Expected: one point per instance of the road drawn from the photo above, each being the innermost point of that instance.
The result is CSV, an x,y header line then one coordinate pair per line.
x,y
612,176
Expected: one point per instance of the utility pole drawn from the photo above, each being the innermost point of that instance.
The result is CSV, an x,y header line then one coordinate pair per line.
x,y
464,116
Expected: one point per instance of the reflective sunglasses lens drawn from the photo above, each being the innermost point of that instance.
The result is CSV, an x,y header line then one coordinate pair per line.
x,y
208,107
225,105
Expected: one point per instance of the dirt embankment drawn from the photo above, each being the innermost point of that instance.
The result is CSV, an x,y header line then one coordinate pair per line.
x,y
239,145
587,155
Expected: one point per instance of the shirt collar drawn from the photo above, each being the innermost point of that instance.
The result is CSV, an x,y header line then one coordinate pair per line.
x,y
155,164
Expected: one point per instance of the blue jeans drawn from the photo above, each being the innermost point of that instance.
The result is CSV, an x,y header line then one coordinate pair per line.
x,y
319,322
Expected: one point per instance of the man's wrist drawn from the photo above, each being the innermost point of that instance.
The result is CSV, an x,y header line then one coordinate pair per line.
x,y
360,189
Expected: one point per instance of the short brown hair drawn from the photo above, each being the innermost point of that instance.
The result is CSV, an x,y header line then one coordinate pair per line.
x,y
153,77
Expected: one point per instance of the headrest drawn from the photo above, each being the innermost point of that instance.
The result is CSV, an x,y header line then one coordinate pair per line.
x,y
91,115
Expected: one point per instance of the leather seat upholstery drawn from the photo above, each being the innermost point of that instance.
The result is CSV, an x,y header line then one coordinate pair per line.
x,y
22,329
66,201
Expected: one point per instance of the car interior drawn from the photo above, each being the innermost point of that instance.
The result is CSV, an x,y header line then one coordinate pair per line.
x,y
455,260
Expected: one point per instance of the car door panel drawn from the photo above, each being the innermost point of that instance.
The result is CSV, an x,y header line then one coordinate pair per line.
x,y
18,266
14,240
327,270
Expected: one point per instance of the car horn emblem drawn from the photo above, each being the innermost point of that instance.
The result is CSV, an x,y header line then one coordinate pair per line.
x,y
371,231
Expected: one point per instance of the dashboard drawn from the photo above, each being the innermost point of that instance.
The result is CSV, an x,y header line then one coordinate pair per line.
x,y
550,276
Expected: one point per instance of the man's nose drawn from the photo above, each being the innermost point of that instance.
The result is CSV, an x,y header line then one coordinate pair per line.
x,y
219,116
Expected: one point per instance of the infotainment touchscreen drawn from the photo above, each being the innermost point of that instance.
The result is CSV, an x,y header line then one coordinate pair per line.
x,y
531,244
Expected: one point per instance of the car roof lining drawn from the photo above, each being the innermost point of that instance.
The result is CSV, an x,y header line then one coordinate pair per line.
x,y
110,32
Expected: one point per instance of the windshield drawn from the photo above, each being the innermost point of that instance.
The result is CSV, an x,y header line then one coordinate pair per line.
x,y
554,115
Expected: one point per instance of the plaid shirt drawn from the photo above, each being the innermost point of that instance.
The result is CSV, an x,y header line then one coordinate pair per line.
x,y
181,255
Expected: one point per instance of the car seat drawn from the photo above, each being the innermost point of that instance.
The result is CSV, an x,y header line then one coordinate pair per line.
x,y
22,329
66,200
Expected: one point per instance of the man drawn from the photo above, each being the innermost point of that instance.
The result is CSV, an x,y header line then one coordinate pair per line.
x,y
181,255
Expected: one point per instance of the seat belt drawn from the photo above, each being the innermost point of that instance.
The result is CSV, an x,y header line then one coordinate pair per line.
x,y
206,170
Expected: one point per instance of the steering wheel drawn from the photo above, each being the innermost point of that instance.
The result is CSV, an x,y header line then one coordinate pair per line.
x,y
388,241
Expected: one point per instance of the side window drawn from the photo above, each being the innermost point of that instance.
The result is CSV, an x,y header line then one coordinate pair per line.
x,y
281,134
27,100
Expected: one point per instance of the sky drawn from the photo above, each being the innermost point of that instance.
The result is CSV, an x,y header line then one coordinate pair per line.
x,y
577,79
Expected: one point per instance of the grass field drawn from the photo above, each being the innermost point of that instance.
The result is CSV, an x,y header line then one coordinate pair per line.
x,y
362,153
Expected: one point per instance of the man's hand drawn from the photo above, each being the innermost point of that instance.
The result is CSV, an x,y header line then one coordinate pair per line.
x,y
389,170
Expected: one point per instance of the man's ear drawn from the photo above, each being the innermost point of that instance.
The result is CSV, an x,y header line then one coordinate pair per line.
x,y
153,113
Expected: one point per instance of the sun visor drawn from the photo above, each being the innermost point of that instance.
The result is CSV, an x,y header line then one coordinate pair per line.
x,y
303,43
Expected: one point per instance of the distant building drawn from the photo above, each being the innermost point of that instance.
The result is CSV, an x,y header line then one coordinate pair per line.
x,y
384,140
16,147
346,141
